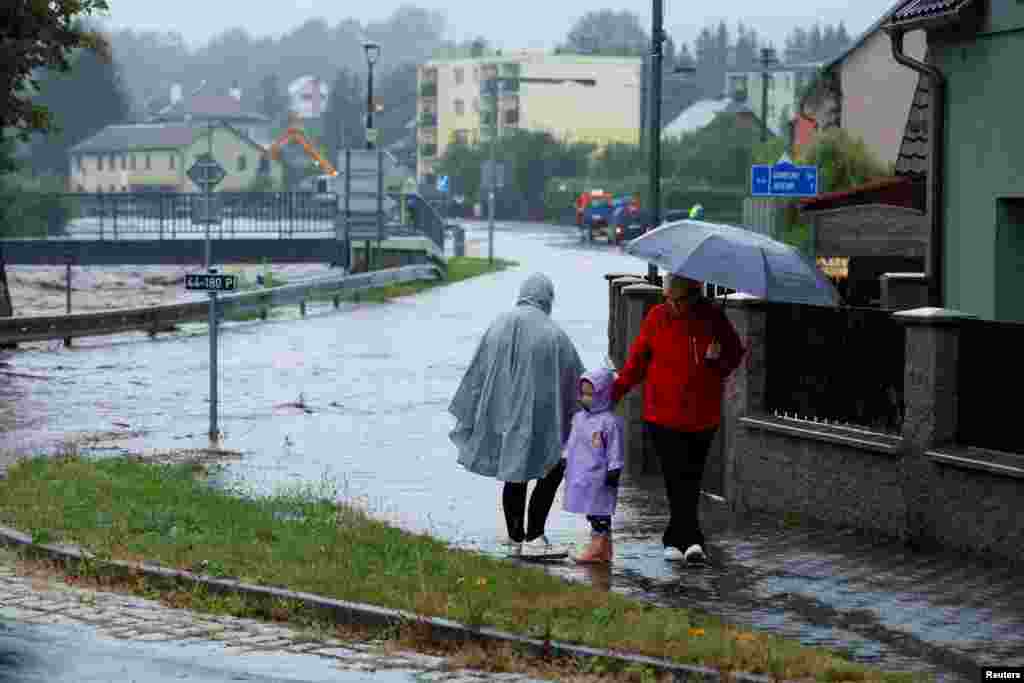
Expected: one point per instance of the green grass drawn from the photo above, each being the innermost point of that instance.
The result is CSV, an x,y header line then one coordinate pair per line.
x,y
309,539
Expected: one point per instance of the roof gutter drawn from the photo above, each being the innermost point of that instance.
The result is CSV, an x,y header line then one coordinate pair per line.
x,y
937,88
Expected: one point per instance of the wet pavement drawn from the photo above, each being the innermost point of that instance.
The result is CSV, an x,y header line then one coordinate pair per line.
x,y
54,633
377,380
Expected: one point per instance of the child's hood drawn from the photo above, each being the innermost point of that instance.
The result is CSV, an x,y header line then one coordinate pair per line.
x,y
602,379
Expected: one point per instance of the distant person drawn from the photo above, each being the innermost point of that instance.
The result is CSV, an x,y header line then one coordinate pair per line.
x,y
594,459
514,408
685,351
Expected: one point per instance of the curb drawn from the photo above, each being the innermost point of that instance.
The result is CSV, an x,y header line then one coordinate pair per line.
x,y
358,614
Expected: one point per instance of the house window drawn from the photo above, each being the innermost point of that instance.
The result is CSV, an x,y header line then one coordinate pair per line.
x,y
476,104
124,162
131,162
462,137
80,188
172,162
460,108
113,189
511,117
111,162
124,188
241,162
460,76
149,162
99,163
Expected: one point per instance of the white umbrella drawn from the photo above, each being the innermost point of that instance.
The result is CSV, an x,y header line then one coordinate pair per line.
x,y
735,258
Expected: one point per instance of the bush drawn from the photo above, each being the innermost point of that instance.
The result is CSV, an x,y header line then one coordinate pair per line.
x,y
34,207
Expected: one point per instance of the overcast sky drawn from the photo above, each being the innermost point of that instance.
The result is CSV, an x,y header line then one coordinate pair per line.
x,y
509,24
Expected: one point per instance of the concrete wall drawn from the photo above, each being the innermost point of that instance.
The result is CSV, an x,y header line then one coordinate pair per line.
x,y
877,92
983,152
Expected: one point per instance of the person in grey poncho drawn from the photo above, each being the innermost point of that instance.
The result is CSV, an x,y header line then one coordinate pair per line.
x,y
514,410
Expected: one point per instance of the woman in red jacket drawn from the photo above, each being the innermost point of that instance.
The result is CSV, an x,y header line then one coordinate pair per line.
x,y
685,351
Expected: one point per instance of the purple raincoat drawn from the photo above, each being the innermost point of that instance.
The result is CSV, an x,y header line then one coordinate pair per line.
x,y
594,448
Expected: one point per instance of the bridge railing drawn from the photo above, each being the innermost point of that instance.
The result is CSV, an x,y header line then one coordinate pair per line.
x,y
154,319
426,220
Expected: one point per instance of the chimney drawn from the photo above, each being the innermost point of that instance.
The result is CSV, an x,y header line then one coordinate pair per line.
x,y
236,91
176,93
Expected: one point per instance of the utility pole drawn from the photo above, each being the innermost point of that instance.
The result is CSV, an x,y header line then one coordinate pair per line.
x,y
654,134
494,171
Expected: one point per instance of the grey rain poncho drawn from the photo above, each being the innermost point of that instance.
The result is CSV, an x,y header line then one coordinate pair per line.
x,y
515,405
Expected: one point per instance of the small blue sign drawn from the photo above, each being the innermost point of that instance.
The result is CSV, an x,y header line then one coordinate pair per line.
x,y
442,184
783,180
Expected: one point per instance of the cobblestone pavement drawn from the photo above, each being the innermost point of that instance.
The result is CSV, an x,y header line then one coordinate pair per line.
x,y
120,617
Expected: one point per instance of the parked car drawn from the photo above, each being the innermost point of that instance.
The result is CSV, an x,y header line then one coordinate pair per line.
x,y
594,212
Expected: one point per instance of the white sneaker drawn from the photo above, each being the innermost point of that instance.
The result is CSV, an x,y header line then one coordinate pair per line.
x,y
538,547
673,553
694,554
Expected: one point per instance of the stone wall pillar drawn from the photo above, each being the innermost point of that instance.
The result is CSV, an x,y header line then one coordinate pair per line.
x,y
930,417
745,389
637,300
619,341
613,297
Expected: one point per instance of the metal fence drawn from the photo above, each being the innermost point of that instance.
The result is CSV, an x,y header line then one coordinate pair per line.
x,y
841,366
165,215
989,364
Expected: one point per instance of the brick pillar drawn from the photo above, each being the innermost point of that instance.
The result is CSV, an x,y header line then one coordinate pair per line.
x,y
617,318
744,392
930,417
636,301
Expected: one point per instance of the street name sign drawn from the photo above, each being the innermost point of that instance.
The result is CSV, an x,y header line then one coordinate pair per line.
x,y
211,282
783,179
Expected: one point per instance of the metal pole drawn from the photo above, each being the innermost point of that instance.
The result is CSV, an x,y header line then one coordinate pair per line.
x,y
369,105
492,185
378,259
348,216
764,104
67,277
654,134
214,432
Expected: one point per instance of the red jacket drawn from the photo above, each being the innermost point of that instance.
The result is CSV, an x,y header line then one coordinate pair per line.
x,y
682,389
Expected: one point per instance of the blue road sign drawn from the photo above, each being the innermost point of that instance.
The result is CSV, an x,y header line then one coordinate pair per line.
x,y
442,183
783,180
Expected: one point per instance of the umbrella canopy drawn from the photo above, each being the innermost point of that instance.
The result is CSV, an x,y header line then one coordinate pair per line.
x,y
735,258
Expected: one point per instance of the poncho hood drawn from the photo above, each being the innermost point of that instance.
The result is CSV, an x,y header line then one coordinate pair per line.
x,y
537,290
602,379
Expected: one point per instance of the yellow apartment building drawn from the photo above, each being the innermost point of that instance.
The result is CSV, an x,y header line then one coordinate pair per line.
x,y
580,98
156,157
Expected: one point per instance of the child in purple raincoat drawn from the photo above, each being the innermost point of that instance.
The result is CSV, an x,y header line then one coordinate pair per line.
x,y
594,462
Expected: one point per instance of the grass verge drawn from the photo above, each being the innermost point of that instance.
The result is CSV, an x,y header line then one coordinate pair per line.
x,y
459,268
308,539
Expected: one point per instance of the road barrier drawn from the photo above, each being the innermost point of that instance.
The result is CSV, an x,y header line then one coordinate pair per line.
x,y
154,319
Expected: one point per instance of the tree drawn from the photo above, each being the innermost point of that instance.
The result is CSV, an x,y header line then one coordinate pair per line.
x,y
94,78
607,32
274,101
343,125
34,36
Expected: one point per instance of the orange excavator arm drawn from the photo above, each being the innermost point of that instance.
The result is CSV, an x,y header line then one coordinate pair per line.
x,y
295,135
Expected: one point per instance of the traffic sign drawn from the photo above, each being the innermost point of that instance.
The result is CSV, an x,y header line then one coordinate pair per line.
x,y
206,173
783,179
493,175
211,282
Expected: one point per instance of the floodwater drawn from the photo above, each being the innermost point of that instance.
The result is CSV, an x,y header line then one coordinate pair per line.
x,y
377,379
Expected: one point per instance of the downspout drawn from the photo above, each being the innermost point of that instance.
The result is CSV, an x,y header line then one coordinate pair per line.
x,y
937,87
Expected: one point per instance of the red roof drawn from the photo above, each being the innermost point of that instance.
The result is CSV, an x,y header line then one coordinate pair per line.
x,y
804,134
895,191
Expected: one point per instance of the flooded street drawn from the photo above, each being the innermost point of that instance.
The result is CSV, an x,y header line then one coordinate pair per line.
x,y
377,380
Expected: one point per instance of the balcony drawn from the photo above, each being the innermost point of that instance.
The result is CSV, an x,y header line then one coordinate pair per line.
x,y
428,120
428,90
428,151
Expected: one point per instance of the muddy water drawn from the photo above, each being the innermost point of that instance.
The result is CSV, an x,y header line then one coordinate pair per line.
x,y
376,381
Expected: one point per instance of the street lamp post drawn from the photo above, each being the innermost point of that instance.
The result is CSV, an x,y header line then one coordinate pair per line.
x,y
372,53
768,60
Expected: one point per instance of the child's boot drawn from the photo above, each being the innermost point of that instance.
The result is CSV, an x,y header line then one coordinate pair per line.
x,y
607,550
594,552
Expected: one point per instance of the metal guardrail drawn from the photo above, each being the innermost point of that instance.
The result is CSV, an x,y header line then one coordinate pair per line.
x,y
154,319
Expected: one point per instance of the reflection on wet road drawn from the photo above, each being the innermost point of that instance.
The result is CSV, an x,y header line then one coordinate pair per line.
x,y
378,379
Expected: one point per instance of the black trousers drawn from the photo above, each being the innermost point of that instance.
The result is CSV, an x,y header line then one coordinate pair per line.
x,y
513,499
601,524
682,456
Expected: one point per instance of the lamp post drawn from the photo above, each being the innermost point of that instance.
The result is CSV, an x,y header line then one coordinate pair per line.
x,y
372,53
768,60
